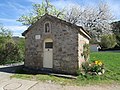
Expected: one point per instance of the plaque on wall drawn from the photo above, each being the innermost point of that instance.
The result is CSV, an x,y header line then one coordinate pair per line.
x,y
37,36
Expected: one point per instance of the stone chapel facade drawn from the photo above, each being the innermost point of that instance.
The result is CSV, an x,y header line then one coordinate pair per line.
x,y
54,44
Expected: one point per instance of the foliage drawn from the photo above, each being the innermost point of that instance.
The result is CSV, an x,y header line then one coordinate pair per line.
x,y
118,39
9,50
5,36
94,68
116,27
9,53
93,41
108,41
86,51
21,47
94,19
116,31
38,11
4,32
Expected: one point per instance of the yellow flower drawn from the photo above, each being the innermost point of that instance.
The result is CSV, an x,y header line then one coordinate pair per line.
x,y
100,63
96,62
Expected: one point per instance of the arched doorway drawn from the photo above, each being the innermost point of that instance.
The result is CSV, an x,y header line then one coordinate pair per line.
x,y
48,53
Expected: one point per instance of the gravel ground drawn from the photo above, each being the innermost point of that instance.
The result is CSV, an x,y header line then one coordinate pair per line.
x,y
50,86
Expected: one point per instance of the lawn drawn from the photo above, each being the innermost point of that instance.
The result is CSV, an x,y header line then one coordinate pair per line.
x,y
111,61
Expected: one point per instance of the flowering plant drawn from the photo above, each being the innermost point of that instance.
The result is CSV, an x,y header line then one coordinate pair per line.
x,y
99,63
94,68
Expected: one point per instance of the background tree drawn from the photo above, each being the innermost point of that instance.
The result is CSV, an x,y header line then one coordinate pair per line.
x,y
95,20
116,31
5,36
10,52
20,42
38,11
108,41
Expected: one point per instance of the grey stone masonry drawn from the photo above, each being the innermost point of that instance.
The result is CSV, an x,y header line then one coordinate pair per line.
x,y
66,54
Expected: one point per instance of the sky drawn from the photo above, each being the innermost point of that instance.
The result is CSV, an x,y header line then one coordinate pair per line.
x,y
11,10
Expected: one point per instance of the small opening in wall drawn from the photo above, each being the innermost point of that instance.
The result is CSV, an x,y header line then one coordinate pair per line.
x,y
48,44
47,27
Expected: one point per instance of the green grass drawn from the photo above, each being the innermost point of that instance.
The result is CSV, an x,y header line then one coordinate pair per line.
x,y
22,76
111,61
112,75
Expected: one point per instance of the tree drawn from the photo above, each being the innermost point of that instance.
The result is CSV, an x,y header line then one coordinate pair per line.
x,y
108,41
5,36
9,50
21,46
38,11
95,20
116,31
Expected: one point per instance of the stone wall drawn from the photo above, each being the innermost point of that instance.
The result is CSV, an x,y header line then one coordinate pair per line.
x,y
65,46
81,41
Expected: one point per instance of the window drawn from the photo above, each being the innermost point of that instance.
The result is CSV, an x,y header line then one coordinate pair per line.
x,y
47,27
48,44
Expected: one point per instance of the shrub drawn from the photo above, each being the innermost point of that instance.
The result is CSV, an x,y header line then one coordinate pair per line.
x,y
86,51
94,68
21,47
9,53
108,41
118,39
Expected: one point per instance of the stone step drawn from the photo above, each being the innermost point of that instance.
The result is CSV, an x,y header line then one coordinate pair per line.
x,y
63,75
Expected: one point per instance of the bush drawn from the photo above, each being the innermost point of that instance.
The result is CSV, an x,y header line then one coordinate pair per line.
x,y
94,68
86,51
118,39
108,41
21,47
9,53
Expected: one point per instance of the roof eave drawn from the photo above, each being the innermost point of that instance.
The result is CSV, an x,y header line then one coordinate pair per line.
x,y
86,34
